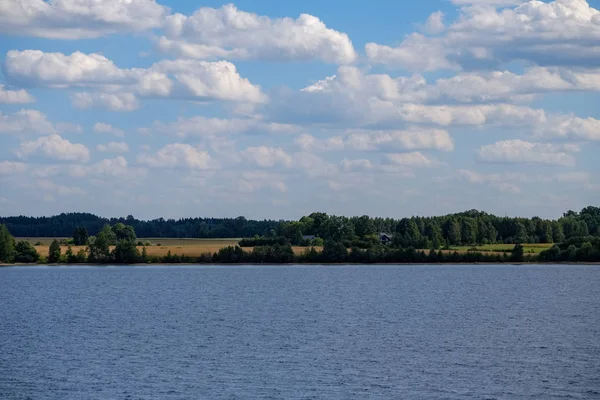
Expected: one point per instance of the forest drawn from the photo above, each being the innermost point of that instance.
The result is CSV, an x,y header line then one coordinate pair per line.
x,y
467,228
328,239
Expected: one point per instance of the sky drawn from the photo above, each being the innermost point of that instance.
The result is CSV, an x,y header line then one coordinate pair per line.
x,y
276,109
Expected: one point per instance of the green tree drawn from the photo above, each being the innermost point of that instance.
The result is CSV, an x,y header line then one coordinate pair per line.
x,y
54,252
123,232
126,252
334,252
468,231
364,226
69,256
7,245
99,249
520,233
434,234
80,236
453,233
25,252
558,235
518,253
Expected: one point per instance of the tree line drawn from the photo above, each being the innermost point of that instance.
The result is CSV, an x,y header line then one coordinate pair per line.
x,y
462,229
341,240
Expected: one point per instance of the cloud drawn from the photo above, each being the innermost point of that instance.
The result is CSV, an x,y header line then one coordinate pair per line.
x,y
414,159
117,167
522,152
366,140
201,126
101,127
415,139
12,168
229,33
505,182
178,155
435,23
204,80
113,147
310,143
570,127
26,122
15,96
119,88
359,164
78,19
251,181
466,87
109,101
312,165
46,171
54,147
266,157
486,36
60,190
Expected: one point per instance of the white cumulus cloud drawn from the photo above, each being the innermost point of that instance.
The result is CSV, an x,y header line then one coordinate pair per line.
x,y
178,155
78,19
521,152
54,147
229,33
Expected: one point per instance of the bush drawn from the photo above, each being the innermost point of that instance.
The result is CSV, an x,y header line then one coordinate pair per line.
x,y
26,253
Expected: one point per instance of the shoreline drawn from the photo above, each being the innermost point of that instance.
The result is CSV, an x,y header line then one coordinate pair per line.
x,y
3,265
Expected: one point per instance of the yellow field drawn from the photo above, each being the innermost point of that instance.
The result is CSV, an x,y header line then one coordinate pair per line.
x,y
159,246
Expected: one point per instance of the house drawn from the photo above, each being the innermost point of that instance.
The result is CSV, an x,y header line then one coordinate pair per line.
x,y
385,238
308,237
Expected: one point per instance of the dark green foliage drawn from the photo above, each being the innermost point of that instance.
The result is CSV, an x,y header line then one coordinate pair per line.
x,y
575,249
467,228
517,254
263,241
7,245
126,252
80,236
334,252
54,252
64,225
25,253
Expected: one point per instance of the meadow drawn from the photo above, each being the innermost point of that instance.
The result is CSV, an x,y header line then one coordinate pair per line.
x,y
160,247
157,246
532,248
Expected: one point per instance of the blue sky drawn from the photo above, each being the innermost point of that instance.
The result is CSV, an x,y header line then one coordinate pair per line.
x,y
274,109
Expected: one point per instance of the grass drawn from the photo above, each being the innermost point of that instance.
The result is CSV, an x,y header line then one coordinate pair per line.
x,y
196,247
159,246
534,248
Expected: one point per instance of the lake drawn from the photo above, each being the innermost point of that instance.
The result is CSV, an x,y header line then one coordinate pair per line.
x,y
300,332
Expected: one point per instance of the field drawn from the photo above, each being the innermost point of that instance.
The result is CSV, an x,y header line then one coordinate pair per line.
x,y
196,247
158,246
535,248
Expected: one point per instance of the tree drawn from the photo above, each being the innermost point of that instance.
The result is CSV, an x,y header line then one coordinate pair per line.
x,y
80,236
334,252
364,226
468,231
99,249
123,232
558,235
7,245
54,252
520,233
517,253
434,234
453,232
126,252
25,252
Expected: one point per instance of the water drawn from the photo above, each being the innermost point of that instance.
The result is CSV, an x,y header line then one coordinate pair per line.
x,y
368,332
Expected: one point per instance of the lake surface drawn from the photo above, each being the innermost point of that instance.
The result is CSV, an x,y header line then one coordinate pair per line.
x,y
300,332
